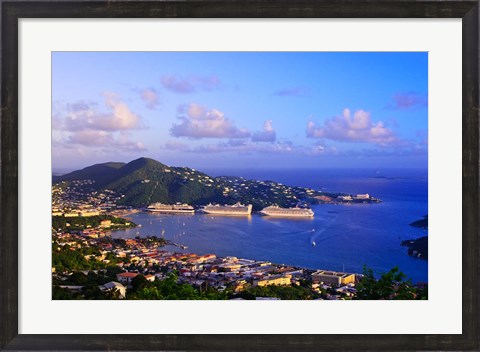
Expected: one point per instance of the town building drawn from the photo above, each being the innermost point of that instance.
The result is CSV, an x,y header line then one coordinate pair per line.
x,y
126,277
116,286
274,280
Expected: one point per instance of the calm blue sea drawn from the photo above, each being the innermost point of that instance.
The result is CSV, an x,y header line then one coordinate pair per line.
x,y
346,236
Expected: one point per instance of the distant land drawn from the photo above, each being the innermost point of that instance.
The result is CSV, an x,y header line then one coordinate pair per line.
x,y
145,181
423,223
418,247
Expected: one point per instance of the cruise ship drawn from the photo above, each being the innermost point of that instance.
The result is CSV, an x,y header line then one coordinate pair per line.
x,y
275,210
167,208
236,209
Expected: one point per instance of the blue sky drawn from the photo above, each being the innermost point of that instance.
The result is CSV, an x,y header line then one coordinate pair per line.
x,y
240,109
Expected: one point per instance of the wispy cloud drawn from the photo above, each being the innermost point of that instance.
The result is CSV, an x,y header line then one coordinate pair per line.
x,y
150,98
267,135
410,100
104,140
356,128
292,92
190,84
245,146
176,145
197,121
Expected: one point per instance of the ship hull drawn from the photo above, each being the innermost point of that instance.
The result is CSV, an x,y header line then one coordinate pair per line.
x,y
170,211
213,212
287,215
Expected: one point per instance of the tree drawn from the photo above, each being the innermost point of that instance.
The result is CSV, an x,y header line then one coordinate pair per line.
x,y
392,285
149,293
59,293
138,282
78,278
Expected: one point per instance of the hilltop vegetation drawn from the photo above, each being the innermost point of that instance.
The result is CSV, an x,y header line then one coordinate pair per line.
x,y
61,223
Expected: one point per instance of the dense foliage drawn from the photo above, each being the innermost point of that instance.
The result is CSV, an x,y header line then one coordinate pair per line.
x,y
392,285
282,292
72,258
91,292
170,289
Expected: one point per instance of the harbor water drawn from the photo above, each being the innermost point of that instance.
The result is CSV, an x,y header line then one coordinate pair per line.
x,y
338,237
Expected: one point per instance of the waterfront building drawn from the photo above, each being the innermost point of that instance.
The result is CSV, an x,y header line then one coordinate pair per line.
x,y
90,213
332,277
105,223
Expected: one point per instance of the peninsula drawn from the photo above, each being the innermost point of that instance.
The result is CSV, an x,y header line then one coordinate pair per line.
x,y
144,181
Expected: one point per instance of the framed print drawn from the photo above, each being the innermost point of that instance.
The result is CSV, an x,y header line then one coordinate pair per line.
x,y
241,175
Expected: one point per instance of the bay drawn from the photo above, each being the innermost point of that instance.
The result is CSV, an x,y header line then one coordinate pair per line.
x,y
346,237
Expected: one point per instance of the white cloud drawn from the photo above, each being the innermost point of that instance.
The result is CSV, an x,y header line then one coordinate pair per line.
x,y
83,125
197,121
356,128
267,135
83,115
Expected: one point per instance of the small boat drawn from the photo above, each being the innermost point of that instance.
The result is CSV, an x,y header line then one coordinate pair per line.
x,y
313,243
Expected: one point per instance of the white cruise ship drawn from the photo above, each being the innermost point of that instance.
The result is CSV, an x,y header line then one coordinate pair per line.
x,y
236,209
275,210
167,208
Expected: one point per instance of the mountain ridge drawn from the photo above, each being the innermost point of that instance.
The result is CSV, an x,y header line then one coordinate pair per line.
x,y
143,181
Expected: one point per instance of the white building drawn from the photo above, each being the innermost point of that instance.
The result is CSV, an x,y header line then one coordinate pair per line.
x,y
113,285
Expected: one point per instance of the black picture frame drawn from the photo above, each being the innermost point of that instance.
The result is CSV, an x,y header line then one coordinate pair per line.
x,y
11,11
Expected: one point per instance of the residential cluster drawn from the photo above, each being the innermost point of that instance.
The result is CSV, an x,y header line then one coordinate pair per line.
x,y
78,198
145,256
264,192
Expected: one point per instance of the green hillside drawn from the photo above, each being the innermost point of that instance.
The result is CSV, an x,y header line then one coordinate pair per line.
x,y
100,173
144,181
